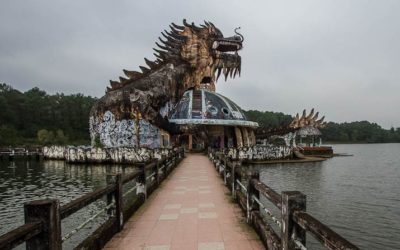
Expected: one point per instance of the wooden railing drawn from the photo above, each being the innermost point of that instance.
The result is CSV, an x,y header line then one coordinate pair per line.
x,y
42,228
294,221
10,153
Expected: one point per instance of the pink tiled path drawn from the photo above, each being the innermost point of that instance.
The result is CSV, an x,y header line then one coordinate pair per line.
x,y
192,209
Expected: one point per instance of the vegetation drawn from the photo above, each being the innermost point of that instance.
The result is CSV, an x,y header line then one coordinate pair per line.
x,y
348,132
359,132
37,118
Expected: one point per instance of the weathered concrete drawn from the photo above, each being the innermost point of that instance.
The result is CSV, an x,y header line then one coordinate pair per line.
x,y
85,154
191,210
257,152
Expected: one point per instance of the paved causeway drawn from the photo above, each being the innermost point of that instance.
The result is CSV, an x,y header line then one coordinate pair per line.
x,y
192,209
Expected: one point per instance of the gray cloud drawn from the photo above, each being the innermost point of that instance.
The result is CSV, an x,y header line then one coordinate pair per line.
x,y
340,57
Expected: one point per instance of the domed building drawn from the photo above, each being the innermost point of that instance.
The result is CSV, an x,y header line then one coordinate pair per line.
x,y
209,119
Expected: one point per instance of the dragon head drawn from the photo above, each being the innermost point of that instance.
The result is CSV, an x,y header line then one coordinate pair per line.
x,y
204,50
203,54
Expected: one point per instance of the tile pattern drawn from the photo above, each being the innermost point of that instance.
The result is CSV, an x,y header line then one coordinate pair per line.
x,y
191,210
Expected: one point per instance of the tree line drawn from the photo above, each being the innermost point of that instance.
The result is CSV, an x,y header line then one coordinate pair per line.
x,y
35,117
347,132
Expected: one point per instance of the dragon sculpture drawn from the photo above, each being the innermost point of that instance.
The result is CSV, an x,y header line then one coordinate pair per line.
x,y
307,120
305,124
298,122
188,56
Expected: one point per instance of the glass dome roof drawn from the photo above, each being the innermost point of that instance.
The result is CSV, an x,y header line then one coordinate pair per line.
x,y
208,108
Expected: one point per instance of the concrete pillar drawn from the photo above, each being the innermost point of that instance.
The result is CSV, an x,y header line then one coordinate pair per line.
x,y
239,139
190,142
245,137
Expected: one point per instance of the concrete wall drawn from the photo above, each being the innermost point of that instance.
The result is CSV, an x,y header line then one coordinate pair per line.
x,y
84,154
268,152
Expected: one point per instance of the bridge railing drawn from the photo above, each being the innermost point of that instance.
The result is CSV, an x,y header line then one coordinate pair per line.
x,y
293,221
43,218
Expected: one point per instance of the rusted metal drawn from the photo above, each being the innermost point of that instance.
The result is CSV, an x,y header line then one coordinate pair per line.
x,y
266,232
131,176
70,208
267,211
321,232
99,238
267,192
19,235
77,229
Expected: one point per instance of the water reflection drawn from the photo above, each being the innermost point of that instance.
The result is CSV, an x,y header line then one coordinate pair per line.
x,y
23,181
357,196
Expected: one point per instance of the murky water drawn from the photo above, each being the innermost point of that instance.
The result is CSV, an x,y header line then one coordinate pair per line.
x,y
358,196
22,181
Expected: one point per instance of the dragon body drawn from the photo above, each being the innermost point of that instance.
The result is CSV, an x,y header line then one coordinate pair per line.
x,y
134,110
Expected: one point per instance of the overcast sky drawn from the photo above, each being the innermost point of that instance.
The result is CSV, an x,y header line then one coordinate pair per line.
x,y
341,57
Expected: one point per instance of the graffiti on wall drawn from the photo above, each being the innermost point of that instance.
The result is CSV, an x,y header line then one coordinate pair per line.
x,y
122,133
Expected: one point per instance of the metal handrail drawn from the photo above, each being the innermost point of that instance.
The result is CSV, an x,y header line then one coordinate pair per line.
x,y
268,212
78,228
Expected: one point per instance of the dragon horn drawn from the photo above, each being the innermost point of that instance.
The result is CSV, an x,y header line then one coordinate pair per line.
x,y
160,57
161,52
219,70
231,73
122,79
195,27
177,26
311,114
186,24
144,69
237,33
176,35
150,63
315,116
211,24
131,74
114,84
236,72
172,38
174,30
162,47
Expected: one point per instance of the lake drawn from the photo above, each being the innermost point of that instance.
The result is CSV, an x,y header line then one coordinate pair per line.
x,y
357,196
22,181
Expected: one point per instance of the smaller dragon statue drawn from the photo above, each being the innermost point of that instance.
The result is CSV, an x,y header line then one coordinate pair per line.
x,y
306,123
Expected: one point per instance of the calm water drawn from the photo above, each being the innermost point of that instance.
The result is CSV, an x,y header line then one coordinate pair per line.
x,y
358,196
23,181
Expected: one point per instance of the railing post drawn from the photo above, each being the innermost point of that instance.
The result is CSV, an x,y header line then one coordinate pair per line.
x,y
157,169
233,176
142,181
224,164
119,202
174,159
251,205
48,213
109,195
292,201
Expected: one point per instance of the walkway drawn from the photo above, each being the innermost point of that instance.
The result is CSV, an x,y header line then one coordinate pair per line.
x,y
192,209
